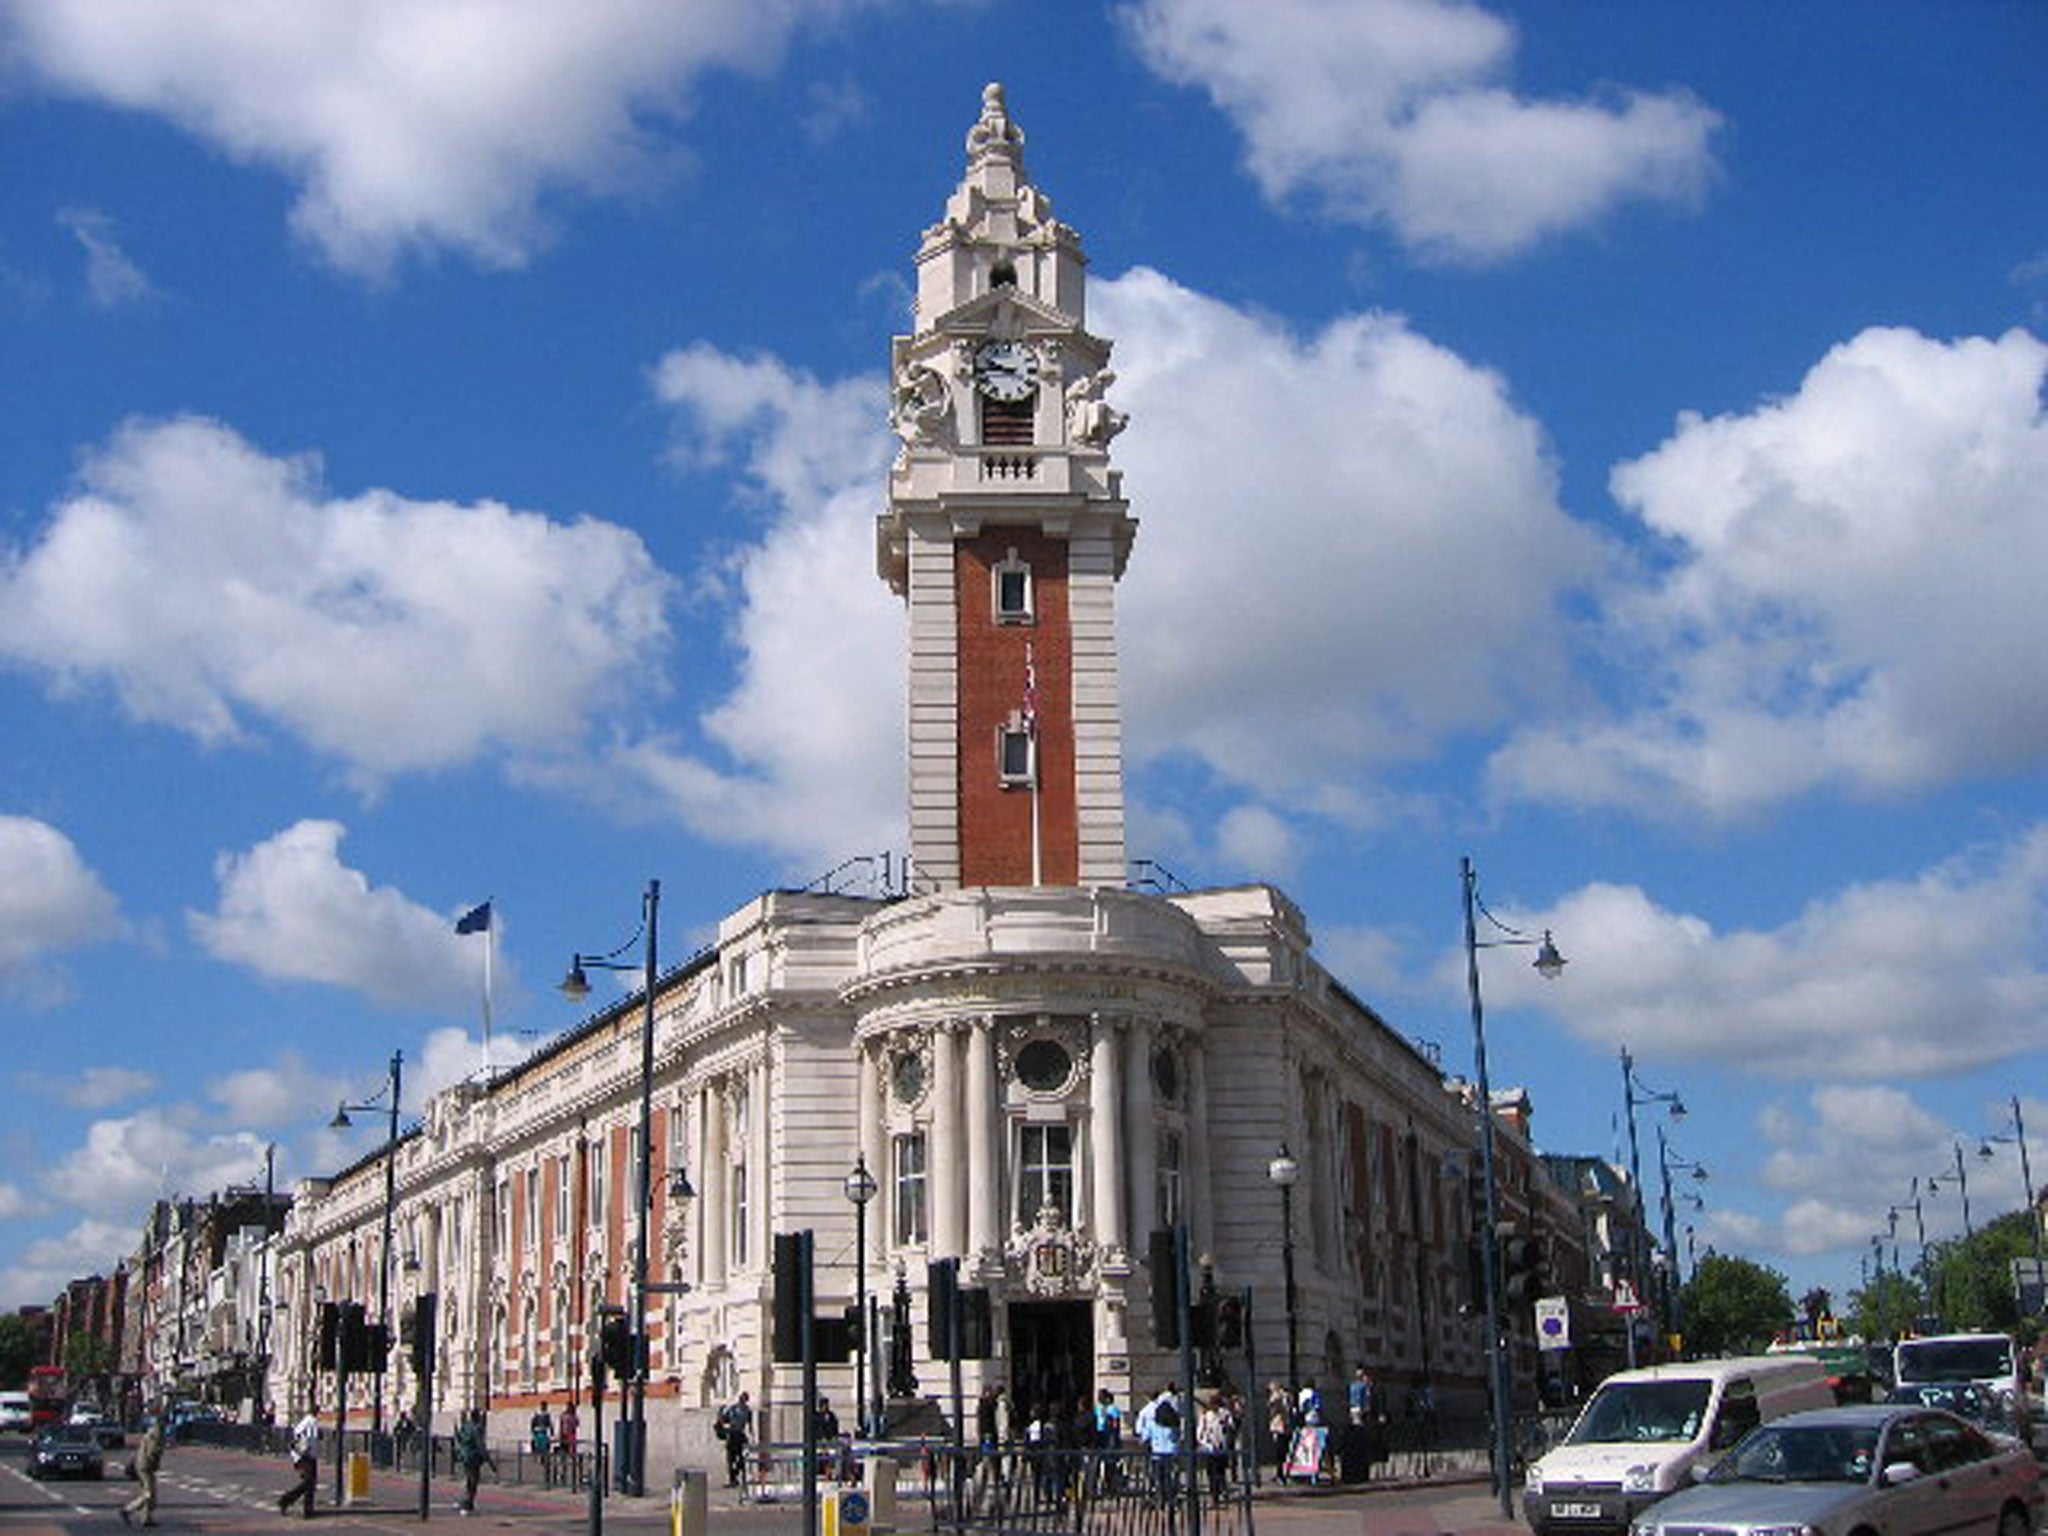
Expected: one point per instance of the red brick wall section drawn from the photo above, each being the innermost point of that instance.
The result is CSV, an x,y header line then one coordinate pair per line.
x,y
995,823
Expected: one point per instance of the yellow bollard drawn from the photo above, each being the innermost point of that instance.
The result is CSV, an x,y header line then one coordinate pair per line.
x,y
689,1504
357,1484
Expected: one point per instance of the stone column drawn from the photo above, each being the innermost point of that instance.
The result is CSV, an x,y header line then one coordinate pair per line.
x,y
1106,1138
984,1144
947,1174
1198,1194
717,1201
1141,1129
870,1116
761,1220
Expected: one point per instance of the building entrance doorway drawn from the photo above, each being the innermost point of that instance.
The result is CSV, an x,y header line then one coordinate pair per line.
x,y
1052,1358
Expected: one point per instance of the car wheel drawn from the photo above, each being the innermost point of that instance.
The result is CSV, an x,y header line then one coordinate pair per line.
x,y
2014,1521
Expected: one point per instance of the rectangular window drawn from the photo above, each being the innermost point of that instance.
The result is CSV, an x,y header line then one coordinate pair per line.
x,y
1016,754
501,1233
597,1180
1169,1178
562,1196
531,1237
1011,588
739,1215
910,1224
1045,1172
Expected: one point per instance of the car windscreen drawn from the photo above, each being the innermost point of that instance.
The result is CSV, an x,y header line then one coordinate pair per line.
x,y
1955,1359
1642,1411
1803,1453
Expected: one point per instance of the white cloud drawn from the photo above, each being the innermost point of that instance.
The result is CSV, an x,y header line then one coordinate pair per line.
x,y
290,909
125,1163
815,718
413,127
49,900
1854,601
210,585
13,1203
1399,510
43,1267
1390,111
111,277
276,1095
93,1088
1900,979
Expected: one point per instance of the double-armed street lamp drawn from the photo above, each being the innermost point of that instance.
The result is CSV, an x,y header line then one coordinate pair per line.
x,y
576,987
1666,1161
341,1122
1549,964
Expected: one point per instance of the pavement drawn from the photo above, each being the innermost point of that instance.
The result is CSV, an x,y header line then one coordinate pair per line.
x,y
212,1488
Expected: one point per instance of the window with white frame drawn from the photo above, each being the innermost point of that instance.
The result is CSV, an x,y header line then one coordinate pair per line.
x,y
1016,752
532,1233
562,1196
501,1234
1169,1166
910,1225
1012,590
1045,1172
596,1180
738,1188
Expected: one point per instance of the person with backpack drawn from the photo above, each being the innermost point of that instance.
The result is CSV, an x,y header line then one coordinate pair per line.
x,y
735,1422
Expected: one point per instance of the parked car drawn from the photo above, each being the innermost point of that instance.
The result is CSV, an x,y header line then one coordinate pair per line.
x,y
1890,1467
17,1412
67,1450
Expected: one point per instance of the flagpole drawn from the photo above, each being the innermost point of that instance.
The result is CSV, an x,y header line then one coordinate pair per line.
x,y
490,947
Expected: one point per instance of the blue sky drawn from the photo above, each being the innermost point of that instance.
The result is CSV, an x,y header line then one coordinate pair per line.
x,y
439,448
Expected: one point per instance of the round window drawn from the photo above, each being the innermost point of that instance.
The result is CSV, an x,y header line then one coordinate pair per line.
x,y
1044,1065
1166,1073
906,1075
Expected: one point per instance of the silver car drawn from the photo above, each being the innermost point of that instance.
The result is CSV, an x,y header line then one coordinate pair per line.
x,y
1878,1469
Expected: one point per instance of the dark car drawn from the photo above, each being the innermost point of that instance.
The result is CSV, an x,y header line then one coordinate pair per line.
x,y
67,1450
1965,1399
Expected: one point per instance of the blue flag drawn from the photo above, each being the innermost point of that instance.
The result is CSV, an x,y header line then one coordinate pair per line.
x,y
475,920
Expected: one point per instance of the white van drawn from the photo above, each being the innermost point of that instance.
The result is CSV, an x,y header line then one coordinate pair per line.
x,y
1642,1432
16,1411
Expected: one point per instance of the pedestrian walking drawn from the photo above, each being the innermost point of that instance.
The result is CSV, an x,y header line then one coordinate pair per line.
x,y
471,1456
149,1456
565,1435
540,1431
305,1454
734,1424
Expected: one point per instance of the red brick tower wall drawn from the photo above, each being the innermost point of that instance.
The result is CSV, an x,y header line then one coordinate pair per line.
x,y
995,822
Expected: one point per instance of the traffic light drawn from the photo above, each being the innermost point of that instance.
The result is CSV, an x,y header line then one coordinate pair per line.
x,y
416,1332
353,1343
1230,1322
1163,1259
615,1341
941,1301
1523,1277
977,1323
327,1346
855,1327
792,1293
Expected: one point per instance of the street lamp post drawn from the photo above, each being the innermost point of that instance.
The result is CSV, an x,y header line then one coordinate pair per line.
x,y
633,1463
1634,1092
341,1122
1549,964
860,1189
2019,1139
1962,1188
1666,1161
1283,1170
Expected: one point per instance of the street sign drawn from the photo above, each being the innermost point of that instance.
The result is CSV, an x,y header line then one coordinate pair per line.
x,y
1553,1323
1625,1298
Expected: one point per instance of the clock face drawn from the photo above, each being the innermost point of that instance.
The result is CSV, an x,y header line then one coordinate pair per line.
x,y
1006,370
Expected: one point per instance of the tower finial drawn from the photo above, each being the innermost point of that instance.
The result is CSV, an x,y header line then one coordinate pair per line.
x,y
993,134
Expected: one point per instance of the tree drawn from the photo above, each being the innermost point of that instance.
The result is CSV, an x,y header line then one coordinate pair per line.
x,y
17,1350
1734,1306
86,1356
1887,1308
1971,1278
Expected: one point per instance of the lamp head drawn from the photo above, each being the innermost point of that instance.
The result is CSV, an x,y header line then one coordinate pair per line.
x,y
1549,963
576,985
1283,1170
341,1121
1984,1151
860,1184
679,1185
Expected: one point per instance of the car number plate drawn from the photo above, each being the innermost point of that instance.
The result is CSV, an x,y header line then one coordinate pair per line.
x,y
1576,1511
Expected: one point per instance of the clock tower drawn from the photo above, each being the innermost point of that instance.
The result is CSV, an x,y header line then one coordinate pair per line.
x,y
1005,533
